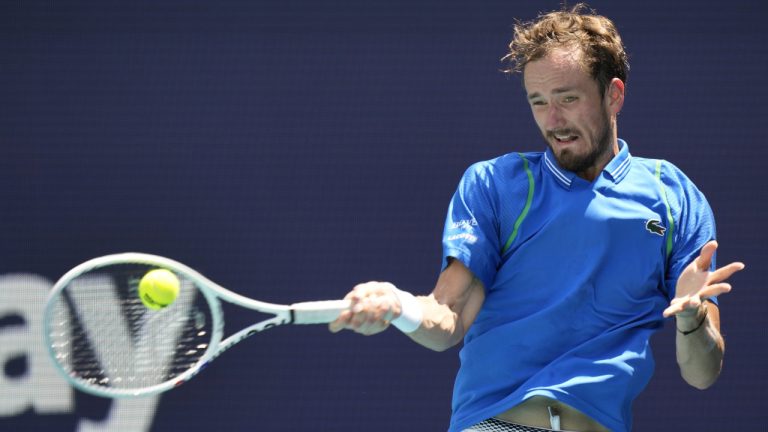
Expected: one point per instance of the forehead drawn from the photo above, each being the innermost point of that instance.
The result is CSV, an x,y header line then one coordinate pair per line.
x,y
561,68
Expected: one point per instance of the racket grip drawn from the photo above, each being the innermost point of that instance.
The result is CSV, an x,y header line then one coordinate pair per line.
x,y
318,312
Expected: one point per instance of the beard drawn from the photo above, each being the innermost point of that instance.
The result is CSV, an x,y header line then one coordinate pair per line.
x,y
600,146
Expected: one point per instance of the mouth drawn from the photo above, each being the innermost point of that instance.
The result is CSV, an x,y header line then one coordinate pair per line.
x,y
564,137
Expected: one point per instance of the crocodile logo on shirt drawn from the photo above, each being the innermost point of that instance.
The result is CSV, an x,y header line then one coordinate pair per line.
x,y
654,226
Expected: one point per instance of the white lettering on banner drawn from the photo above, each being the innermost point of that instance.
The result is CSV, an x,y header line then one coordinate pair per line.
x,y
123,416
40,387
151,359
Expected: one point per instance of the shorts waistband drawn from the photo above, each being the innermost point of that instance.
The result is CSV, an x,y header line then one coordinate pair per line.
x,y
496,425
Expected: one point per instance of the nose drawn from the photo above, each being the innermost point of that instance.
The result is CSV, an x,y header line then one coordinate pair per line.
x,y
554,117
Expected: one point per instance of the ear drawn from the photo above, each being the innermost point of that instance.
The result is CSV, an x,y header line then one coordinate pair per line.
x,y
614,96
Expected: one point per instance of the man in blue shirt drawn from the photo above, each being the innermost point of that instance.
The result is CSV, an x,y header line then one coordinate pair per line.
x,y
559,265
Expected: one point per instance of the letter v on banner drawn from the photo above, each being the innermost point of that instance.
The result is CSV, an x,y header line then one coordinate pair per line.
x,y
150,348
146,350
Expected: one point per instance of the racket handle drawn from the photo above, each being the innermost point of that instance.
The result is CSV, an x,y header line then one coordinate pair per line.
x,y
318,312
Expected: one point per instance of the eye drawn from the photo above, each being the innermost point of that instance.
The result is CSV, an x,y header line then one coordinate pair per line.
x,y
569,99
538,102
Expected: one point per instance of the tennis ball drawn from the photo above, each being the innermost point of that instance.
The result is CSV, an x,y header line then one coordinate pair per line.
x,y
158,288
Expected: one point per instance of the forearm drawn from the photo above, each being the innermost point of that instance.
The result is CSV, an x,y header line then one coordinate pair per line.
x,y
437,321
441,328
451,308
700,351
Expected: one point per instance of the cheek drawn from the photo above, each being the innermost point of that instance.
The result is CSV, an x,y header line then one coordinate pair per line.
x,y
540,117
594,116
588,122
597,124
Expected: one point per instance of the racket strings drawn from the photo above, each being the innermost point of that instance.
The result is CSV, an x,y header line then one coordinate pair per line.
x,y
103,335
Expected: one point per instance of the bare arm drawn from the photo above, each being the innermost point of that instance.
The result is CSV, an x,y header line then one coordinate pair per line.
x,y
699,345
447,312
700,351
451,308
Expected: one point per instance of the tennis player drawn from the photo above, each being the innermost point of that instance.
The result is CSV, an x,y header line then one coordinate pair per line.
x,y
559,265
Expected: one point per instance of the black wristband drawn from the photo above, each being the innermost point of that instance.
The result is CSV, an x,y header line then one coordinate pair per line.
x,y
704,318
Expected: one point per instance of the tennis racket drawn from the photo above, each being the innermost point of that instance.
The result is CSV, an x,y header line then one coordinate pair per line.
x,y
105,342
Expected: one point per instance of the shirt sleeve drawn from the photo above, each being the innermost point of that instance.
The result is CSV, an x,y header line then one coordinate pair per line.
x,y
471,228
695,224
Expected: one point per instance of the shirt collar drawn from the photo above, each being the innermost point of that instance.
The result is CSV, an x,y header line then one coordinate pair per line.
x,y
616,169
564,177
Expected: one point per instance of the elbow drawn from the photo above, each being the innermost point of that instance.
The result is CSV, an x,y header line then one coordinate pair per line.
x,y
443,348
702,381
439,342
701,371
438,346
702,384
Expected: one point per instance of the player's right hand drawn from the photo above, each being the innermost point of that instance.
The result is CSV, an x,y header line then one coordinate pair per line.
x,y
373,305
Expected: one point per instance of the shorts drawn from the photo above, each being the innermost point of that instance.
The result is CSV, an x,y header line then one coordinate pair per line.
x,y
495,425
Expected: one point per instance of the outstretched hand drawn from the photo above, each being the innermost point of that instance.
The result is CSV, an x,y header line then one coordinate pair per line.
x,y
697,283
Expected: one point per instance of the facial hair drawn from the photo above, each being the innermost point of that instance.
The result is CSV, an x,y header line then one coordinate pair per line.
x,y
580,163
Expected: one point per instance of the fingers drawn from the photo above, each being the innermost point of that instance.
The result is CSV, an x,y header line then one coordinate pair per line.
x,y
704,259
681,307
670,311
714,290
725,272
373,306
693,302
341,322
682,304
344,317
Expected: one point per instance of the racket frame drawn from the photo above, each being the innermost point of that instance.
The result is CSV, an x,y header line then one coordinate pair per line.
x,y
299,313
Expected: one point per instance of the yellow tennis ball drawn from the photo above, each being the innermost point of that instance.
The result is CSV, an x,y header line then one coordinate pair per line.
x,y
158,288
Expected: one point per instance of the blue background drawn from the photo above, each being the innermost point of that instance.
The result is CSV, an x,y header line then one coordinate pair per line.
x,y
291,149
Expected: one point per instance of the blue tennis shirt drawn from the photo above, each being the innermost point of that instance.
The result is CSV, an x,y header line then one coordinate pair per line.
x,y
576,275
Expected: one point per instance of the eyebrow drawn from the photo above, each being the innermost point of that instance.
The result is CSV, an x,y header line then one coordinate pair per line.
x,y
558,90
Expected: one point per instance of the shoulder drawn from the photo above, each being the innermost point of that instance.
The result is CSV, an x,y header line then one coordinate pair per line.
x,y
663,170
678,189
503,168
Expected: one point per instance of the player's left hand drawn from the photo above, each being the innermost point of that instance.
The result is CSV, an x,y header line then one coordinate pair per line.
x,y
697,283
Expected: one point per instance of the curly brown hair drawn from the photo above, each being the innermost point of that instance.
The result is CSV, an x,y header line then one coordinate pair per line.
x,y
581,28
